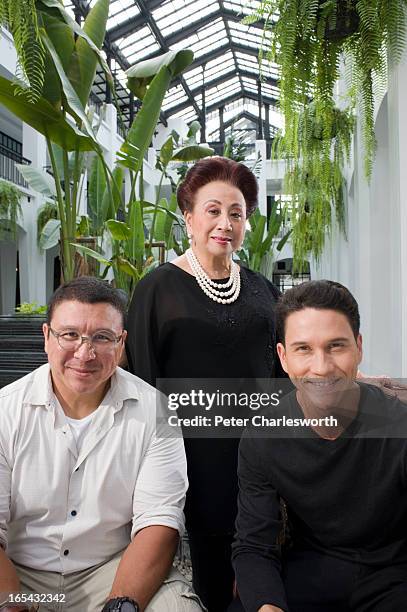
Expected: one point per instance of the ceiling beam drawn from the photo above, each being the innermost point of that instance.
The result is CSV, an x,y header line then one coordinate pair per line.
x,y
240,95
161,41
222,50
243,115
134,23
228,75
228,34
223,102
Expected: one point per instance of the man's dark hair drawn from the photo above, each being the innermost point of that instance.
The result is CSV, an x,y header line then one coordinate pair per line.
x,y
88,290
320,294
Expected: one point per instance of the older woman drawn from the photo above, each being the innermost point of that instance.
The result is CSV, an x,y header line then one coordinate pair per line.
x,y
205,316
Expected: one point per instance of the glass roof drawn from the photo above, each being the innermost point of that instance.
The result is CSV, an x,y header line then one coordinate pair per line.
x,y
225,50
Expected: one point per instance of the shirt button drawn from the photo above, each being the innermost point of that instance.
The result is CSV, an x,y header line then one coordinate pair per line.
x,y
74,513
76,469
66,552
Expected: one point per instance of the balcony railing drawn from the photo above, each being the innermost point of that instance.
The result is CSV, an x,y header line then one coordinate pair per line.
x,y
8,170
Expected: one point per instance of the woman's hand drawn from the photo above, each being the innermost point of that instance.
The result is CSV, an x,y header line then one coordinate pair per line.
x,y
390,386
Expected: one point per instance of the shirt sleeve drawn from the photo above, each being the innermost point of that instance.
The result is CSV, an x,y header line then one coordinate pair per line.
x,y
256,552
142,339
5,493
161,486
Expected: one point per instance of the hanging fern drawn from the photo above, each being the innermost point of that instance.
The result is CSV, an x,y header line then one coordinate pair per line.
x,y
309,39
10,210
314,177
20,17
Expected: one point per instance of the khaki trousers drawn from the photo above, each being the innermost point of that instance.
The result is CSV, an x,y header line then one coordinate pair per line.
x,y
87,590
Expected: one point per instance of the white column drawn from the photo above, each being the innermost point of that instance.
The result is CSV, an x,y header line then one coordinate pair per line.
x,y
397,209
112,144
33,275
262,177
360,232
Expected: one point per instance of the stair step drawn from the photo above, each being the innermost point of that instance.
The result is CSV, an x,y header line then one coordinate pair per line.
x,y
17,326
21,346
21,343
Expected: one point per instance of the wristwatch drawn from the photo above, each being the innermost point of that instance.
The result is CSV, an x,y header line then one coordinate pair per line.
x,y
121,604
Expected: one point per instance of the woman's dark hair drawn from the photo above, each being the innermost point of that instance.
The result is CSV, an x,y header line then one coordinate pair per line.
x,y
218,169
320,294
88,290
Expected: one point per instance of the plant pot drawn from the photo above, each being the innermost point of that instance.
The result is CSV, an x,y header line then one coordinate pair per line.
x,y
346,22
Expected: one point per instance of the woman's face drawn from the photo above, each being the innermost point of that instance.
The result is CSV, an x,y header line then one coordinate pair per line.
x,y
218,218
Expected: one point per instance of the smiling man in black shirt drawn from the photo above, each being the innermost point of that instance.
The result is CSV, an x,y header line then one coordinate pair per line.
x,y
343,479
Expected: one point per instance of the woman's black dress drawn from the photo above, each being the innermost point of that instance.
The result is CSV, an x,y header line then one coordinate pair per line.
x,y
176,331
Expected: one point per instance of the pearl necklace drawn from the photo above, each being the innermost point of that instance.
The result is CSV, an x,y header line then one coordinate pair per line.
x,y
230,290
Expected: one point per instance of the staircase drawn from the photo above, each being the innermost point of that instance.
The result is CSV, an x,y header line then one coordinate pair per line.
x,y
21,346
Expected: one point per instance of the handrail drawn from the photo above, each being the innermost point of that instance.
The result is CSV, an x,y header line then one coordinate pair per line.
x,y
14,156
8,170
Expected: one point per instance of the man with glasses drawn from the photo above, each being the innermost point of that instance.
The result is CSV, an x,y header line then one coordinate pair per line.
x,y
91,498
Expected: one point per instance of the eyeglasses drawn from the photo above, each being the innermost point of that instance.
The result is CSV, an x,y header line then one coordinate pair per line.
x,y
99,342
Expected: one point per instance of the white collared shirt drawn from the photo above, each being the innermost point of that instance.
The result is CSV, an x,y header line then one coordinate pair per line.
x,y
63,512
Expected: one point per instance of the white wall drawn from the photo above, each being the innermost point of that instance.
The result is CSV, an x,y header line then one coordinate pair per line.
x,y
372,262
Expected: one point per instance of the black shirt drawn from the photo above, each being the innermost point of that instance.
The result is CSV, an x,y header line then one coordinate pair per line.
x,y
345,497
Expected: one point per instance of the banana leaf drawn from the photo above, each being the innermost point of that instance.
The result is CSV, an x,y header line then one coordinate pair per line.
x,y
83,250
255,236
142,129
154,76
166,151
50,234
74,103
39,180
192,153
62,38
84,61
54,6
44,118
135,245
112,200
169,221
283,240
96,191
125,266
141,74
118,230
161,217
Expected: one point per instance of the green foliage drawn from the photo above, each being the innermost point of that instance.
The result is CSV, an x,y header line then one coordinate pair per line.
x,y
309,39
234,148
314,178
71,55
20,17
48,210
31,308
142,224
257,251
10,210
